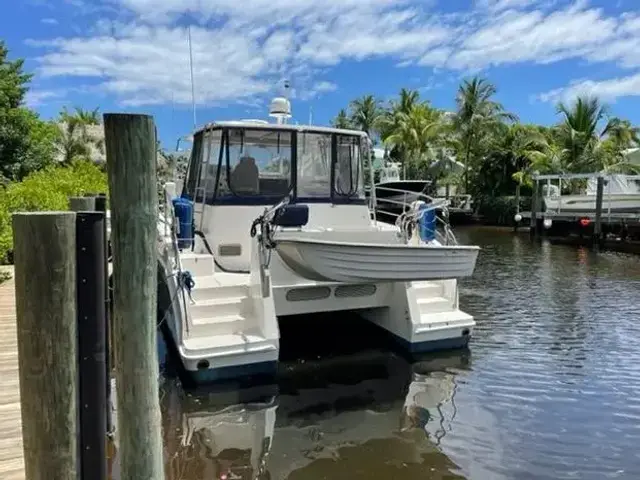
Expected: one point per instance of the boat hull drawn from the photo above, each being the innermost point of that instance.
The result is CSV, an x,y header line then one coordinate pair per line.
x,y
586,204
333,261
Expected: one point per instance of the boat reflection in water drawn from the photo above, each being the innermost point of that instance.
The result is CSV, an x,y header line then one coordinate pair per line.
x,y
368,415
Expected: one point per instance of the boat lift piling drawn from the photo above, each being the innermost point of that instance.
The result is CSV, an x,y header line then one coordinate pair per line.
x,y
597,228
45,285
535,206
131,167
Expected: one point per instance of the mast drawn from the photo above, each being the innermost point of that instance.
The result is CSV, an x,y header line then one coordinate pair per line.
x,y
193,90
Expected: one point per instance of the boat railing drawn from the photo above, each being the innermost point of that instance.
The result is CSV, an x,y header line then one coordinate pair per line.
x,y
412,213
459,201
169,224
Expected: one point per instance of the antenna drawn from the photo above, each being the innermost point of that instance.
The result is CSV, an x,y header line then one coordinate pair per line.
x,y
311,115
193,90
280,107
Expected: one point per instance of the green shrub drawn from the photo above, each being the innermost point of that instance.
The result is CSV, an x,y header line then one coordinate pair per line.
x,y
500,210
46,190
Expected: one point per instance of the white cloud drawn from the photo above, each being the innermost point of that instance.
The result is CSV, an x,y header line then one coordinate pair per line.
x,y
534,36
607,90
49,21
241,49
325,86
500,5
269,12
36,98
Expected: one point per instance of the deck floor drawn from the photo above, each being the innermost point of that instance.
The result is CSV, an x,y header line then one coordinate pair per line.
x,y
11,456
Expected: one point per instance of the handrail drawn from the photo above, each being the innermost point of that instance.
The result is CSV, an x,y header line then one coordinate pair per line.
x,y
170,222
410,217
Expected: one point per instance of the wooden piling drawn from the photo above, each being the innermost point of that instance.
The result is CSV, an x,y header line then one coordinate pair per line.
x,y
597,228
535,205
131,166
82,204
45,282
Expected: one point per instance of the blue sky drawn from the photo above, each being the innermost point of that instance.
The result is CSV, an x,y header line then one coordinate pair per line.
x,y
132,55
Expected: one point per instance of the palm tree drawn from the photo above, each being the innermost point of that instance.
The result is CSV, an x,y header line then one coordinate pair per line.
x,y
407,99
415,132
342,120
477,114
578,133
88,117
366,112
525,146
623,133
74,140
621,136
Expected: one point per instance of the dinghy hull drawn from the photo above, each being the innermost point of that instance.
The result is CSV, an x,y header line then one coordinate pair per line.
x,y
360,262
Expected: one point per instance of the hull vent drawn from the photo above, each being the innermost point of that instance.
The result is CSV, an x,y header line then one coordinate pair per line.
x,y
308,293
345,291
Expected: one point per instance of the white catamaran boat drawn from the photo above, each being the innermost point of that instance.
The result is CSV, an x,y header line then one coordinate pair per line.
x,y
272,221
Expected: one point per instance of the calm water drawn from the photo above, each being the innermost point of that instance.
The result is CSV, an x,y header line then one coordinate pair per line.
x,y
550,387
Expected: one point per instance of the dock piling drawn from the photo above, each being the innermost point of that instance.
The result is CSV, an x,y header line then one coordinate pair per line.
x,y
597,228
91,344
535,205
131,167
101,206
45,283
82,204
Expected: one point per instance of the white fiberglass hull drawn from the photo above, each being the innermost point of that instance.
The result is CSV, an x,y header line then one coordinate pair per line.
x,y
352,262
621,203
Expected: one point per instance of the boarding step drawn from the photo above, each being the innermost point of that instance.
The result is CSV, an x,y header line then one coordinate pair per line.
x,y
217,325
444,320
431,305
198,264
228,345
217,307
427,289
213,287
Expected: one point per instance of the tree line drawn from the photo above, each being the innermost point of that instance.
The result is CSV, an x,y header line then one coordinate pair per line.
x,y
499,153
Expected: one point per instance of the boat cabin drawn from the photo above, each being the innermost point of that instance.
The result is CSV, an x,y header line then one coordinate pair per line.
x,y
390,173
239,168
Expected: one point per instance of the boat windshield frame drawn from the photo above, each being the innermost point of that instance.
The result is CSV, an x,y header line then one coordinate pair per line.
x,y
216,187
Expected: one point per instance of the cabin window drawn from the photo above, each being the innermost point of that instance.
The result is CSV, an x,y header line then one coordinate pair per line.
x,y
258,162
314,165
195,164
209,164
348,171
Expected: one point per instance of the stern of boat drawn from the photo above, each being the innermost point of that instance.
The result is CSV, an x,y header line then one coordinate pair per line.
x,y
424,316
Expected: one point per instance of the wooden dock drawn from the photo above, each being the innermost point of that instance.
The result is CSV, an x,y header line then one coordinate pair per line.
x,y
11,457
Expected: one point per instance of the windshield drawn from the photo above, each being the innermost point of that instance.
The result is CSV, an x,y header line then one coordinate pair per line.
x,y
258,163
249,165
349,178
314,165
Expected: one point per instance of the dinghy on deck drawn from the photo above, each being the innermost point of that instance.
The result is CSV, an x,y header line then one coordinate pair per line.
x,y
379,257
